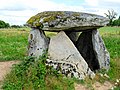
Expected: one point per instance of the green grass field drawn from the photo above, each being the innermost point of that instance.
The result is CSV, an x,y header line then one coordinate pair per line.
x,y
13,46
111,37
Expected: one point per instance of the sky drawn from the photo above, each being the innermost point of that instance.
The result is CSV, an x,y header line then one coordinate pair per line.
x,y
17,12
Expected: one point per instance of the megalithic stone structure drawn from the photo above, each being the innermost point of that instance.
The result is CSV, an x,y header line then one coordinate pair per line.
x,y
77,50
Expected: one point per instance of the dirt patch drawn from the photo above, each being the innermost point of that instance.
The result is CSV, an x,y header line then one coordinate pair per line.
x,y
80,87
106,86
5,68
96,86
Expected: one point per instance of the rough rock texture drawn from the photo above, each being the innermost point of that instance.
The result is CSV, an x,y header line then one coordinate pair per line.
x,y
38,43
63,54
85,47
93,50
66,20
100,50
73,36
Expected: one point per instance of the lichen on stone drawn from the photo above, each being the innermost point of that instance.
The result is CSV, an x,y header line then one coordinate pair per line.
x,y
48,16
66,19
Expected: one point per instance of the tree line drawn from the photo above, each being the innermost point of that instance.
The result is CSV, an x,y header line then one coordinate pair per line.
x,y
3,24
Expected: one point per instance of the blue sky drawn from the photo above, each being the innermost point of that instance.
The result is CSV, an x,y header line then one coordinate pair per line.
x,y
19,11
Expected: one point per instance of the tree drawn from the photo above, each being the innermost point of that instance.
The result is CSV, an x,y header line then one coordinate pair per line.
x,y
111,15
3,24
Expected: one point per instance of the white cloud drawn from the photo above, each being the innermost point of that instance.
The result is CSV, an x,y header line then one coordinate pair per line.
x,y
92,2
27,8
19,11
117,1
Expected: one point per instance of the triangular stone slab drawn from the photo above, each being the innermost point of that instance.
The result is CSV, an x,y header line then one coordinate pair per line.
x,y
62,52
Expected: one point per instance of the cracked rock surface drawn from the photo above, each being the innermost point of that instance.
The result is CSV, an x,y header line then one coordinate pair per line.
x,y
62,51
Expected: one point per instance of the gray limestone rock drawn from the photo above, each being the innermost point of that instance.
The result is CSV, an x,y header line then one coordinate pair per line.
x,y
100,50
85,47
67,21
93,50
38,43
62,51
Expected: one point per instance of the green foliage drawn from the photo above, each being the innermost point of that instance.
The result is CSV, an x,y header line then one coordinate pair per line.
x,y
117,88
28,75
111,38
4,24
115,22
33,74
16,26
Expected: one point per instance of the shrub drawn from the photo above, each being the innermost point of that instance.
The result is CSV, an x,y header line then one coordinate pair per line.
x,y
3,24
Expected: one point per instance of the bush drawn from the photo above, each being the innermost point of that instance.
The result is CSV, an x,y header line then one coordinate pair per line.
x,y
3,24
116,23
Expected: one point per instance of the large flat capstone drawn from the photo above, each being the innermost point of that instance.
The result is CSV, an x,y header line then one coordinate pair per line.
x,y
67,21
64,55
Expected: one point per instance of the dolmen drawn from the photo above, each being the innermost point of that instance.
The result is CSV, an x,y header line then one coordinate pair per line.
x,y
77,50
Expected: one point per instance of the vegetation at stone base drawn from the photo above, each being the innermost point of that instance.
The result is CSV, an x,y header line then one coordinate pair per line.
x,y
4,24
111,37
33,74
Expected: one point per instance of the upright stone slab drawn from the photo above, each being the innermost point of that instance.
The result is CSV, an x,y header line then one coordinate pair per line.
x,y
100,50
63,53
93,50
38,43
85,47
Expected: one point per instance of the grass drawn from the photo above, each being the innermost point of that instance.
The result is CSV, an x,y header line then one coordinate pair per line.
x,y
111,37
32,74
13,46
14,42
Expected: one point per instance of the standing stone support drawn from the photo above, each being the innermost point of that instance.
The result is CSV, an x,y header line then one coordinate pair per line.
x,y
85,47
100,50
63,53
93,50
38,43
